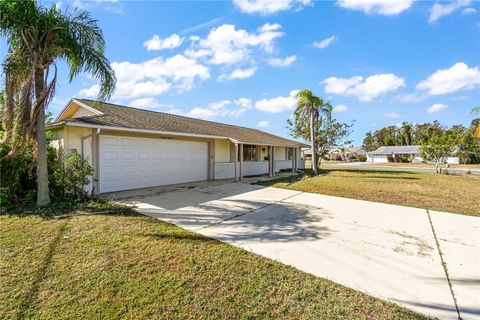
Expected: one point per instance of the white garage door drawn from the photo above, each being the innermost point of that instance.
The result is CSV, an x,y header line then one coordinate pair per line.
x,y
131,163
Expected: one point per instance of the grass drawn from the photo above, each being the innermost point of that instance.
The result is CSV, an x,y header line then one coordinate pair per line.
x,y
457,194
117,264
424,165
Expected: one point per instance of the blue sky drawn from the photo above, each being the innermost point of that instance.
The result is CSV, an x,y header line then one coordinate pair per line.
x,y
378,62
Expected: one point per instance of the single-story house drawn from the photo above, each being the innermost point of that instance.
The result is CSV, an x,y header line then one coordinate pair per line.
x,y
394,154
132,148
397,153
333,153
347,152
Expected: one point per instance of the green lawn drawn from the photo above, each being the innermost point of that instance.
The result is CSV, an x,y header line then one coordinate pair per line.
x,y
451,193
116,264
424,165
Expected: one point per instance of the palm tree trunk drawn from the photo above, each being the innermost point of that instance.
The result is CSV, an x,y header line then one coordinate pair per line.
x,y
312,139
8,105
43,197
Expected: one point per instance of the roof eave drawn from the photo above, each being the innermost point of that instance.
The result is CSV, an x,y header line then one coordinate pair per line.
x,y
183,134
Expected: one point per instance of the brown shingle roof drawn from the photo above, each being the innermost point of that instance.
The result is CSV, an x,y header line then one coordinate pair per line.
x,y
133,118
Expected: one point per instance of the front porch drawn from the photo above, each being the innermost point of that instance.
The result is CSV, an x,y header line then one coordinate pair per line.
x,y
247,160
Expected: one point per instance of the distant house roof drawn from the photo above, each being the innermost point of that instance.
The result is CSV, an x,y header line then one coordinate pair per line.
x,y
348,150
110,116
397,150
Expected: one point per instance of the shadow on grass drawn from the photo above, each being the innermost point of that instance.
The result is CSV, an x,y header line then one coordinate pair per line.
x,y
383,177
67,209
183,236
40,274
369,171
376,174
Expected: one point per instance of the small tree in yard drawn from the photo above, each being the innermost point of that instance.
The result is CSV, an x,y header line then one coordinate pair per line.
x,y
308,116
437,149
328,134
332,133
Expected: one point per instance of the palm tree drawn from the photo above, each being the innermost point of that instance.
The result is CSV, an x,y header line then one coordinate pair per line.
x,y
476,110
311,109
38,38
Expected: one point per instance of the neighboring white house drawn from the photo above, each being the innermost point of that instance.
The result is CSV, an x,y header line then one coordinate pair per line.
x,y
133,148
397,153
348,152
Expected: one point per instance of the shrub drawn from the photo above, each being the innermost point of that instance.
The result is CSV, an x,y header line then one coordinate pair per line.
x,y
360,158
18,180
17,177
72,177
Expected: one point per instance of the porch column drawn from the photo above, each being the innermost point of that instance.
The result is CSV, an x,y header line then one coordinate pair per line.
x,y
211,160
270,161
294,157
236,162
273,161
241,161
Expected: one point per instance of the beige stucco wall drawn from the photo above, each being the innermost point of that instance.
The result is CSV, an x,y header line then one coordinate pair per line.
x,y
82,112
279,153
69,138
222,150
58,141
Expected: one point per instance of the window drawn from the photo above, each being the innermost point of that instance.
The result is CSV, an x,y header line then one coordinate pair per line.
x,y
249,152
289,153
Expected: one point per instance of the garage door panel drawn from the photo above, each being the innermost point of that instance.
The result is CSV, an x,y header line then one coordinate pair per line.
x,y
130,163
110,141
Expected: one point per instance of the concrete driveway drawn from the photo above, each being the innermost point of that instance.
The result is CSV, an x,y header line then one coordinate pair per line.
x,y
388,251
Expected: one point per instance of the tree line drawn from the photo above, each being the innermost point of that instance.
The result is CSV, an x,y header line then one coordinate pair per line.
x,y
457,139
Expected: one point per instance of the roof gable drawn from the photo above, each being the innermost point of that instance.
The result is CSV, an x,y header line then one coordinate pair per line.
x,y
76,109
397,150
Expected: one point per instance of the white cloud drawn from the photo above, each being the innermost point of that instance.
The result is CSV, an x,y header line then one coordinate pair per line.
x,y
266,7
155,43
440,10
340,108
324,43
201,25
202,113
146,103
90,92
153,77
469,11
226,45
133,90
217,109
238,74
107,5
244,102
459,76
263,124
411,97
277,62
391,115
118,10
364,90
436,107
278,104
381,7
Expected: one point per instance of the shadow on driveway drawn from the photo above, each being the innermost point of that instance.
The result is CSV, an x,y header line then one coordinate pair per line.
x,y
244,210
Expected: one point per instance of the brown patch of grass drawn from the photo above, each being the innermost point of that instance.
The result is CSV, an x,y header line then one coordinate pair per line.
x,y
122,265
451,193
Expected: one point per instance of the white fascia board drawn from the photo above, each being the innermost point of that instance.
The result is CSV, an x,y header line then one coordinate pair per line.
x,y
83,105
